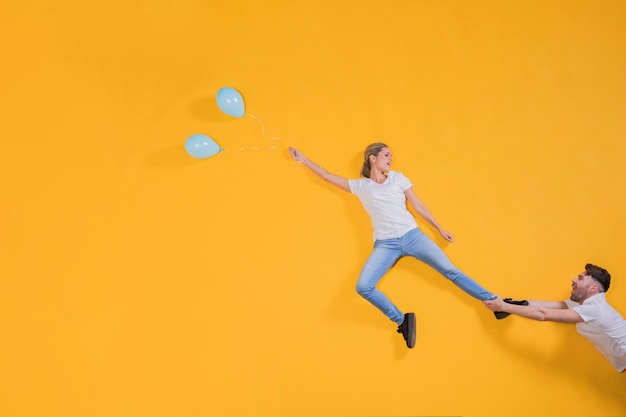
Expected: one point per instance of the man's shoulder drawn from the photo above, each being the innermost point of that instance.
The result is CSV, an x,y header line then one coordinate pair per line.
x,y
597,299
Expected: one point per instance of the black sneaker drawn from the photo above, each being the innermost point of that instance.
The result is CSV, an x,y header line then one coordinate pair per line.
x,y
407,328
502,314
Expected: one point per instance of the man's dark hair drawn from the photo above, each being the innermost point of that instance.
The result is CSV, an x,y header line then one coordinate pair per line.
x,y
599,274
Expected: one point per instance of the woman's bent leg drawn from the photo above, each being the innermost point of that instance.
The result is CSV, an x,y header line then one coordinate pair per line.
x,y
423,248
385,254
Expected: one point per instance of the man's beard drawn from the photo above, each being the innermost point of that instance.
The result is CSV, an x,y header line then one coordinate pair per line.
x,y
576,297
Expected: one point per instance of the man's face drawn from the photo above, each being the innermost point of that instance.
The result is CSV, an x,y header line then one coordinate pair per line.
x,y
580,287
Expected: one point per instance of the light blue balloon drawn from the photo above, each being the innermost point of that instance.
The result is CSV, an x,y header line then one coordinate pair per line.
x,y
201,146
230,102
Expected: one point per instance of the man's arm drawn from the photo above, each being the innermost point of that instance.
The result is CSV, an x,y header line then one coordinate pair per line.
x,y
537,310
548,304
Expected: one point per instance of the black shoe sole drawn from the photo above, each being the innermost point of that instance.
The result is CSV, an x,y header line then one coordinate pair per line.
x,y
502,314
410,341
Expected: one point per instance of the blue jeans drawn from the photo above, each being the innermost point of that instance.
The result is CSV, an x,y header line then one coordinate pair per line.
x,y
416,244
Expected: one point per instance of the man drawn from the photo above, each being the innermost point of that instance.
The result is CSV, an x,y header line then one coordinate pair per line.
x,y
595,319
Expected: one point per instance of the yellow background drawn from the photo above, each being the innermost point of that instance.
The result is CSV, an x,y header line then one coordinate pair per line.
x,y
139,281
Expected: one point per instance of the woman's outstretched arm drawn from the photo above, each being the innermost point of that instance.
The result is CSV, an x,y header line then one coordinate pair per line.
x,y
319,171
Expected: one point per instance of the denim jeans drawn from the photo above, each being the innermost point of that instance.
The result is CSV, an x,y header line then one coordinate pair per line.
x,y
416,244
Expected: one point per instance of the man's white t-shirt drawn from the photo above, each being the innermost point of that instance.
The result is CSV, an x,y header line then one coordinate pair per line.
x,y
386,204
604,327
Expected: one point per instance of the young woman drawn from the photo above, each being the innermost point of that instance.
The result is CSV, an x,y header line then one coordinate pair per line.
x,y
384,194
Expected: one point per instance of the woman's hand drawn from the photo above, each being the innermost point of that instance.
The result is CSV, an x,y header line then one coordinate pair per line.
x,y
447,235
296,154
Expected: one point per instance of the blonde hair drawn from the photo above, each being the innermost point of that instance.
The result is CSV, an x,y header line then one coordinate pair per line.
x,y
373,149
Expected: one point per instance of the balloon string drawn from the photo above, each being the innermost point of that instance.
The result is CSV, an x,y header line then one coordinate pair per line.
x,y
263,128
256,148
243,148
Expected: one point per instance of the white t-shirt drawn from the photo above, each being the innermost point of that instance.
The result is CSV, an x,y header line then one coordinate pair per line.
x,y
386,204
604,327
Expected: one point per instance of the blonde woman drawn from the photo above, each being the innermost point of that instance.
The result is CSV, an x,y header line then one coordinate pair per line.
x,y
384,194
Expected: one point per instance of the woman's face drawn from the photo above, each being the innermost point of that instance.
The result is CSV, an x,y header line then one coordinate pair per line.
x,y
382,161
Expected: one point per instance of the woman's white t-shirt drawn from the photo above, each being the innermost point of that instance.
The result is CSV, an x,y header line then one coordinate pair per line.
x,y
386,204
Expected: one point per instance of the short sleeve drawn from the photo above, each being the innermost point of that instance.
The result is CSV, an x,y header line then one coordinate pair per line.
x,y
354,185
404,182
588,312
